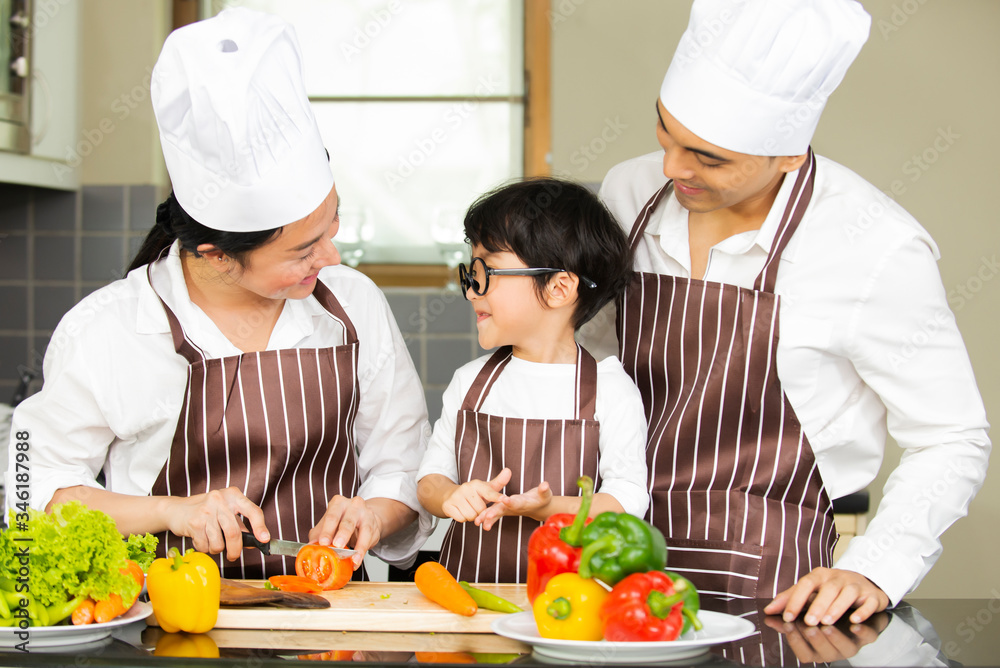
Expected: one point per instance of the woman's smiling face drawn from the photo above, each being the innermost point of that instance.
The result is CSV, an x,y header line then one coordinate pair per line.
x,y
287,266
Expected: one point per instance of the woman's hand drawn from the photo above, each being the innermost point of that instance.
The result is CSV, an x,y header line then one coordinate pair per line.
x,y
360,524
212,520
467,501
832,591
530,503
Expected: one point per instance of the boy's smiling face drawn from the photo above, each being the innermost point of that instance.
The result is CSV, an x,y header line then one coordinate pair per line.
x,y
510,313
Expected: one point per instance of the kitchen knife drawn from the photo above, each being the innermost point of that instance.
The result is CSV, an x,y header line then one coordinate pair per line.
x,y
286,547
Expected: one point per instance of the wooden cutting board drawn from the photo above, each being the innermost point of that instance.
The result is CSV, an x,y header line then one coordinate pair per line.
x,y
370,606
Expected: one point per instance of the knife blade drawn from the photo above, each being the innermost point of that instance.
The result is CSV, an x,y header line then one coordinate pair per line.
x,y
286,547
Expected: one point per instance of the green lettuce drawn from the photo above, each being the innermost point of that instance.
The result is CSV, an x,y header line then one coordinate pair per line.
x,y
142,549
72,551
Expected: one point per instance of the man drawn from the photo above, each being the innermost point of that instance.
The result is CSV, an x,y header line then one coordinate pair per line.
x,y
774,345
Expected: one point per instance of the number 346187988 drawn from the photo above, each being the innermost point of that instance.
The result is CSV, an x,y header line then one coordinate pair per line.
x,y
21,473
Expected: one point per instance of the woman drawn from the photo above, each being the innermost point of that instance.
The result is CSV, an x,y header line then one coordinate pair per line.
x,y
237,374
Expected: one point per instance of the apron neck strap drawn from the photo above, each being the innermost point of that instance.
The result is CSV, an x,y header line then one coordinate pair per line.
x,y
182,345
798,201
585,400
586,385
488,375
642,220
193,354
326,299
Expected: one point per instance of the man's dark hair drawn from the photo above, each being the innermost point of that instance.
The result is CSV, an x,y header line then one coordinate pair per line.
x,y
549,222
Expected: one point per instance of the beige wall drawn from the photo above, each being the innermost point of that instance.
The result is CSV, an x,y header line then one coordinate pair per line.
x,y
927,67
120,41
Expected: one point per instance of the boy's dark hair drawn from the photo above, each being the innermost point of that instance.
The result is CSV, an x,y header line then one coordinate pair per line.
x,y
549,222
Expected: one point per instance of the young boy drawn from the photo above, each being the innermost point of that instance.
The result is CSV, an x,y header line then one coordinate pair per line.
x,y
520,426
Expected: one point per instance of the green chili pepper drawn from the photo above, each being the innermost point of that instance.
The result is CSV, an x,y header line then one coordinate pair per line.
x,y
618,544
493,657
13,599
61,611
692,603
38,613
488,601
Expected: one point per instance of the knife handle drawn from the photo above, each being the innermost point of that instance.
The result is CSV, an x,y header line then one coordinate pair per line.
x,y
250,540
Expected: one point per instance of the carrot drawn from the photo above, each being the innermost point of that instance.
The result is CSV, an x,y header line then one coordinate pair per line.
x,y
84,613
133,569
109,608
444,657
436,583
295,583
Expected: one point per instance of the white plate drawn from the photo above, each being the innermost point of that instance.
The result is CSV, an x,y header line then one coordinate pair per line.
x,y
57,636
718,628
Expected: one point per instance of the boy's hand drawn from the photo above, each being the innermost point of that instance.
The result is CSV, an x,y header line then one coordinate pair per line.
x,y
469,500
527,503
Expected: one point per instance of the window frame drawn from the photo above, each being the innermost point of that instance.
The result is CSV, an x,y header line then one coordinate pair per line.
x,y
537,129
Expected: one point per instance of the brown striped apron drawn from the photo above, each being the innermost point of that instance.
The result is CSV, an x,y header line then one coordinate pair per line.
x,y
536,450
733,482
277,424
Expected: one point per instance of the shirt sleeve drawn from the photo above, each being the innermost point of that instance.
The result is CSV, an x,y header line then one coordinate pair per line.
x,y
623,439
440,457
63,427
905,345
391,427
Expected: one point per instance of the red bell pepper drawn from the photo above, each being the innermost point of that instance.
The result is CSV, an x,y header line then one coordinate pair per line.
x,y
554,547
643,607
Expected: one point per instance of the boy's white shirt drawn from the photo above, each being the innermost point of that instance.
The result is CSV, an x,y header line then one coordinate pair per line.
x,y
546,391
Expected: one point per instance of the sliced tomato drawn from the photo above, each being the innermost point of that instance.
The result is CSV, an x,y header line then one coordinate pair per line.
x,y
332,655
294,583
321,564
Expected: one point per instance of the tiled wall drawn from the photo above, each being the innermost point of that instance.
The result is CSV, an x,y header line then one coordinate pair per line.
x,y
56,247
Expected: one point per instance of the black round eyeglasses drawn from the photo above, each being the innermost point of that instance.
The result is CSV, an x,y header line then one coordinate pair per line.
x,y
477,276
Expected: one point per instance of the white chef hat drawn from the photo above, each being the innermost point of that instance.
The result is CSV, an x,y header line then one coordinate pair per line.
x,y
753,76
239,138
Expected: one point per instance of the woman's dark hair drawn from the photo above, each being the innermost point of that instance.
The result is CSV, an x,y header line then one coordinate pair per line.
x,y
173,222
549,222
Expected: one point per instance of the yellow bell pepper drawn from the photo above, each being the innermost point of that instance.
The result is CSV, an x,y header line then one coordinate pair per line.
x,y
185,644
569,608
184,591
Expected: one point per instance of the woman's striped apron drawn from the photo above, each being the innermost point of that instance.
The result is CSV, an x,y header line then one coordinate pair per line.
x,y
277,424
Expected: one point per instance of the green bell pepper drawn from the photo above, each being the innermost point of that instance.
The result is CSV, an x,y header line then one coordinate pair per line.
x,y
618,544
692,603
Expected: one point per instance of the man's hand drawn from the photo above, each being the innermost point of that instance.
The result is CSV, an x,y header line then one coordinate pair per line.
x,y
832,592
830,643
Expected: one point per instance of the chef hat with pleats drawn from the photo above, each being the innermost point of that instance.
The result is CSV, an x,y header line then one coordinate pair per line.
x,y
753,76
239,138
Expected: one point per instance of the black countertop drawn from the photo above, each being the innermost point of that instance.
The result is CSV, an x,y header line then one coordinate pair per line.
x,y
927,632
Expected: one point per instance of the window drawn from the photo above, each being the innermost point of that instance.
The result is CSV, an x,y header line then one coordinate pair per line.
x,y
422,106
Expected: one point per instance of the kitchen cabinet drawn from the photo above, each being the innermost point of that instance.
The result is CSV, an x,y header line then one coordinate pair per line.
x,y
56,147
